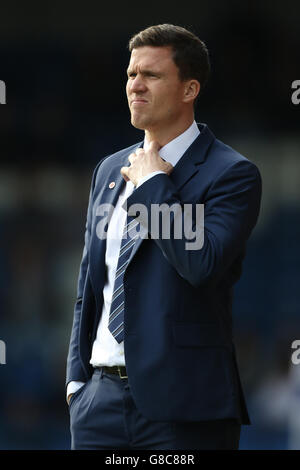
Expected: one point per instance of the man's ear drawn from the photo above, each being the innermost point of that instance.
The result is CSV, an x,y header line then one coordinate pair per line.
x,y
191,90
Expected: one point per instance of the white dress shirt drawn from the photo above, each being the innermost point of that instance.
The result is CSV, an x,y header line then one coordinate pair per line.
x,y
106,350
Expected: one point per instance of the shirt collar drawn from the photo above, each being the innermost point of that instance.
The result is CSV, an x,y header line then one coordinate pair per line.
x,y
173,150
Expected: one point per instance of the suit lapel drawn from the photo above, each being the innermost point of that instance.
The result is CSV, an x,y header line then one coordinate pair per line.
x,y
185,169
196,153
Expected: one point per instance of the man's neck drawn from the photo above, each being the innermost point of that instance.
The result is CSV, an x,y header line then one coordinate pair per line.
x,y
165,135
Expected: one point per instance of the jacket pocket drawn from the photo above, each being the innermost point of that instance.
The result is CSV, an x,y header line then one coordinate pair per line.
x,y
197,335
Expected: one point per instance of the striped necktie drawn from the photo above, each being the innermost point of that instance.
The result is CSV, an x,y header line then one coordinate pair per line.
x,y
116,315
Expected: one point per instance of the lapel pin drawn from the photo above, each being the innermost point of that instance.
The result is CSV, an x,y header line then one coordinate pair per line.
x,y
112,185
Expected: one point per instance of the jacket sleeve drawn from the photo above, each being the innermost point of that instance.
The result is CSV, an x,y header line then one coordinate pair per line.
x,y
231,209
75,370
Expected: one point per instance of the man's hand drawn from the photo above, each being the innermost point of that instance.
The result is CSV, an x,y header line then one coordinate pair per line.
x,y
144,162
69,398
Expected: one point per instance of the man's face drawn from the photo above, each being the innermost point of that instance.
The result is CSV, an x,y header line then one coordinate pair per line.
x,y
154,90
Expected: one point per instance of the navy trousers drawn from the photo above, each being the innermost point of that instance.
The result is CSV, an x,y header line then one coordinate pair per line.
x,y
103,415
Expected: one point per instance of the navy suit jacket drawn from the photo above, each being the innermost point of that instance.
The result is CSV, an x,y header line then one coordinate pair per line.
x,y
179,349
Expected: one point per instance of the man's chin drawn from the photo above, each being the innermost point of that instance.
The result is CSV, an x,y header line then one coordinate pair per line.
x,y
139,122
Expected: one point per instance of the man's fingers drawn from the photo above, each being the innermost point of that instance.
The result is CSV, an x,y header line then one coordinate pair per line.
x,y
131,157
168,168
124,172
69,398
144,162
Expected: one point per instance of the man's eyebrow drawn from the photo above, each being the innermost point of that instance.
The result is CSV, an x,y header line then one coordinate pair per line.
x,y
144,72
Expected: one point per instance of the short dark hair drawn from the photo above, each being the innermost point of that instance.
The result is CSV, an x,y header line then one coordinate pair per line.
x,y
190,54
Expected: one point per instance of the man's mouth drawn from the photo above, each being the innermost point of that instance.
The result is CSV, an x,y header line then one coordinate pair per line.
x,y
139,101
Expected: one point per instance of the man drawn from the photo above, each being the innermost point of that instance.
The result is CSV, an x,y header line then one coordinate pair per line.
x,y
151,362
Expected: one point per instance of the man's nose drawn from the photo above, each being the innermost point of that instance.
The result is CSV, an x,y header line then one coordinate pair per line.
x,y
137,84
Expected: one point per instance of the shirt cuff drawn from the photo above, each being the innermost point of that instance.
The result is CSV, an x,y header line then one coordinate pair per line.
x,y
72,387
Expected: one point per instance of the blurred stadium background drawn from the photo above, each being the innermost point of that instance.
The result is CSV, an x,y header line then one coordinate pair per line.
x,y
64,65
